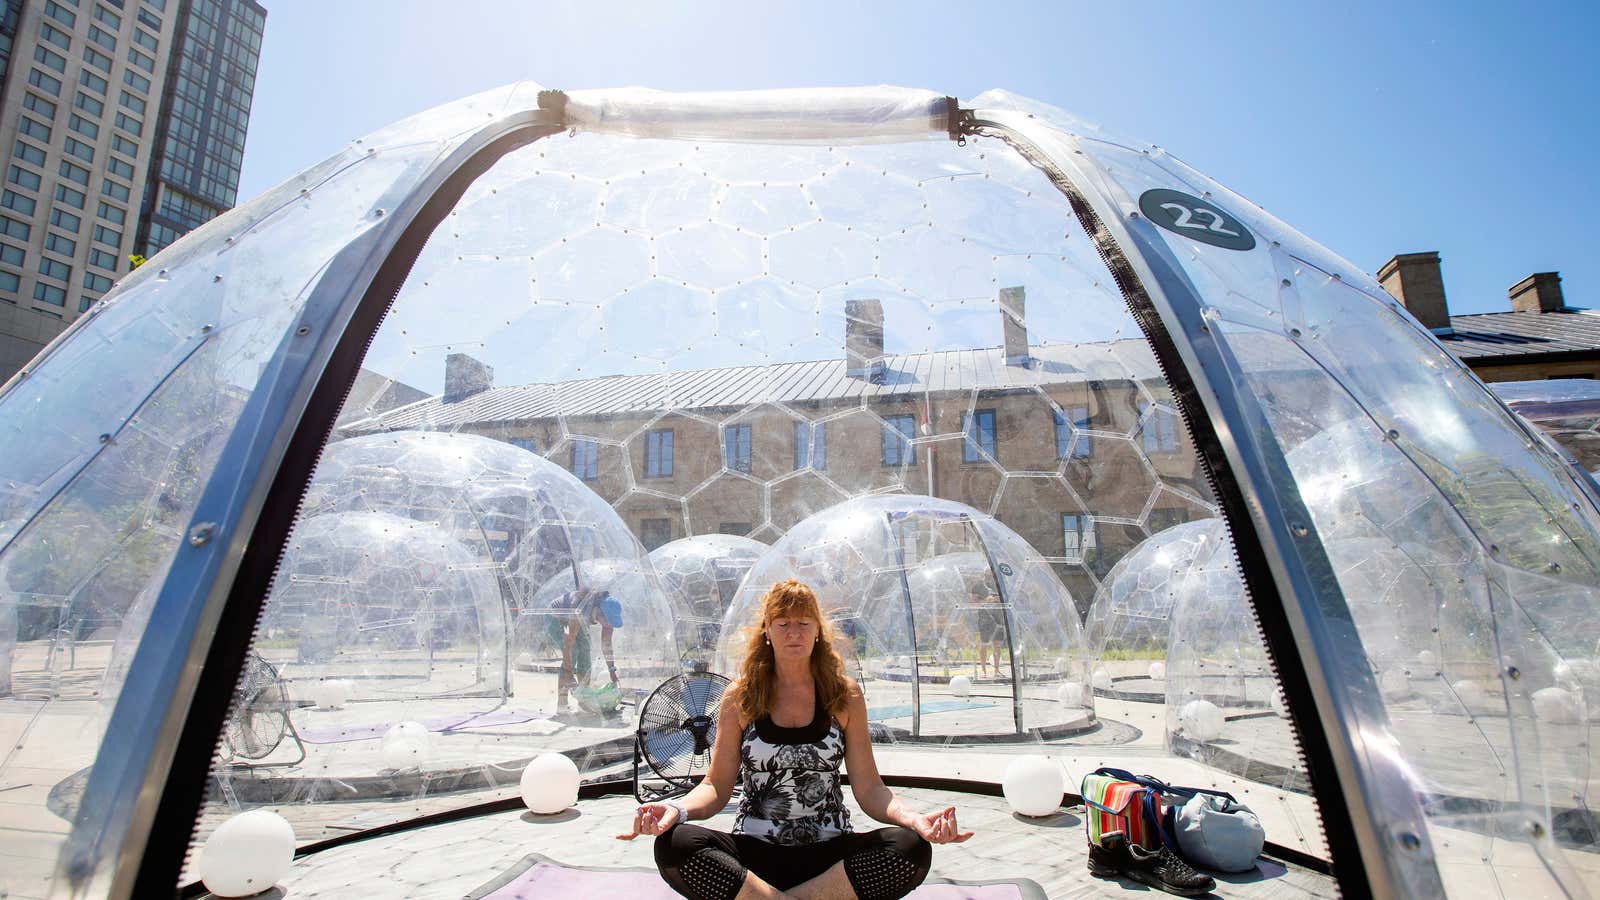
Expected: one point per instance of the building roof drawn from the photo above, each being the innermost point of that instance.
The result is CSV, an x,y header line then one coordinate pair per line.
x,y
1480,336
797,382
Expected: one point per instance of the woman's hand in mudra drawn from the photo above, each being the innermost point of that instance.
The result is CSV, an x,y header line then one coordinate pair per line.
x,y
652,818
939,827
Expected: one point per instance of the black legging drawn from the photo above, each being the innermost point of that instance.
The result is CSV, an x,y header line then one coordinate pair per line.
x,y
703,864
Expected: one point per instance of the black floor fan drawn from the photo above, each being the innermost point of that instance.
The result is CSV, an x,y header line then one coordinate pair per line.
x,y
677,726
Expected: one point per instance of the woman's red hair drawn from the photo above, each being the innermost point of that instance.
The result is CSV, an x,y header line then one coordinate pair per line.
x,y
757,682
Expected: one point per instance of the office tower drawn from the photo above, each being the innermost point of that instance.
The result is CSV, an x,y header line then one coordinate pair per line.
x,y
122,126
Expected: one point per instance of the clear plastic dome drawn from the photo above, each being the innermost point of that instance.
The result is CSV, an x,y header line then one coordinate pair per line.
x,y
397,608
924,591
1128,623
701,574
746,313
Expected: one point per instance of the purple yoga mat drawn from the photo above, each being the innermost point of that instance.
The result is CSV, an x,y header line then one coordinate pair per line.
x,y
339,735
544,880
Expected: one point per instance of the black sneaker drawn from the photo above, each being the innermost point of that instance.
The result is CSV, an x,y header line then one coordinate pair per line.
x,y
1167,871
1109,858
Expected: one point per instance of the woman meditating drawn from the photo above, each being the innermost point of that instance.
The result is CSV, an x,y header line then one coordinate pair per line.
x,y
787,723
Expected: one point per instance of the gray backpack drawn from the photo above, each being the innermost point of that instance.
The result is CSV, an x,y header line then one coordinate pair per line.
x,y
1218,832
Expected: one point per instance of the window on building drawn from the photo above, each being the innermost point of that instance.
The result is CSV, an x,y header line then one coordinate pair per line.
x,y
742,529
49,293
55,36
1069,424
112,189
586,459
36,130
69,196
811,445
64,220
83,126
144,61
97,283
654,532
48,58
130,124
529,444
88,104
1078,533
101,14
112,214
97,59
81,150
60,13
22,203
74,173
134,103
108,261
28,153
39,105
146,40
44,82
1160,431
56,243
23,177
135,80
124,146
54,268
9,282
658,453
154,22
108,41
897,434
119,168
12,228
12,256
108,236
979,430
92,81
736,447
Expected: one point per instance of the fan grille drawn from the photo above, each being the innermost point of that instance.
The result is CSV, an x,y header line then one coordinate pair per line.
x,y
678,726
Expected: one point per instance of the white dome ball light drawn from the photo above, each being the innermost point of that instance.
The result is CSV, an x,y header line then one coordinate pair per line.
x,y
406,746
550,783
1033,786
961,686
1201,720
247,854
332,693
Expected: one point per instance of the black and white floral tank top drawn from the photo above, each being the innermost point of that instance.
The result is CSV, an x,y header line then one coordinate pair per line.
x,y
790,778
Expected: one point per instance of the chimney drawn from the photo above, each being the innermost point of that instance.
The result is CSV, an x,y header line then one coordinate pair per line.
x,y
1014,324
465,376
1415,280
863,339
1538,293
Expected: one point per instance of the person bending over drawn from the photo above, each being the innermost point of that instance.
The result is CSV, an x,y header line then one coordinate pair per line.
x,y
787,723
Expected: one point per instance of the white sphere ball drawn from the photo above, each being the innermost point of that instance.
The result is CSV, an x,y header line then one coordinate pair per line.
x,y
1033,785
1063,665
1157,671
1470,693
331,694
1071,694
1557,705
550,783
1429,661
961,686
903,662
1394,683
406,746
1101,678
1200,720
247,854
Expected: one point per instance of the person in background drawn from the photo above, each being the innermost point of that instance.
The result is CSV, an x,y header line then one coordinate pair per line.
x,y
569,623
786,724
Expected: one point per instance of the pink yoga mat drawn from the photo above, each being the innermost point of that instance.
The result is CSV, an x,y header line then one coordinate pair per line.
x,y
340,734
544,880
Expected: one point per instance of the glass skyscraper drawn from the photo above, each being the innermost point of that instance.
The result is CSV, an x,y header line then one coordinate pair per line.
x,y
123,126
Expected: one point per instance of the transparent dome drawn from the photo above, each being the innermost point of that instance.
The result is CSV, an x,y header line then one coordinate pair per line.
x,y
397,608
751,314
701,574
1129,620
924,591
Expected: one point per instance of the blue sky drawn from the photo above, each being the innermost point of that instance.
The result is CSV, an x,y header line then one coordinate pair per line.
x,y
1465,127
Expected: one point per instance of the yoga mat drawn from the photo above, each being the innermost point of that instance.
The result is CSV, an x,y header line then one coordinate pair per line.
x,y
879,713
535,877
342,733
